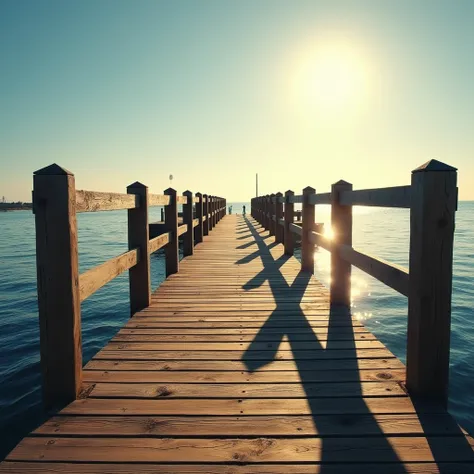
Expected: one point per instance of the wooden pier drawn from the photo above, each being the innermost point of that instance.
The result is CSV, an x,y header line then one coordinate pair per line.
x,y
241,361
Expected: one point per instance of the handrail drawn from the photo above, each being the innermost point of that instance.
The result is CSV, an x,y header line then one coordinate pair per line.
x,y
159,241
95,278
158,200
432,200
397,196
93,201
61,288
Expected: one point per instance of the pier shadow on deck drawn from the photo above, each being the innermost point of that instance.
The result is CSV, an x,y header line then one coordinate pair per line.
x,y
373,445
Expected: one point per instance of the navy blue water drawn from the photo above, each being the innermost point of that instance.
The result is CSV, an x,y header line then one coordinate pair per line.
x,y
380,232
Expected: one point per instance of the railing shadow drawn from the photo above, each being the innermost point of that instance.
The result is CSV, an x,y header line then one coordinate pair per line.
x,y
309,353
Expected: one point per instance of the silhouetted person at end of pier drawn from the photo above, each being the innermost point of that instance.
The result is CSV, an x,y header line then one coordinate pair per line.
x,y
243,210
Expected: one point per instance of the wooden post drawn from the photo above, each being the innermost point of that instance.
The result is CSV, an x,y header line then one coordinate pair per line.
x,y
198,230
307,247
279,229
341,223
211,215
54,205
138,236
205,224
433,206
271,210
267,212
289,240
188,237
171,225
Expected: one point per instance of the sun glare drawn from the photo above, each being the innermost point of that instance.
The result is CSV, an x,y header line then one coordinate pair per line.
x,y
328,232
332,76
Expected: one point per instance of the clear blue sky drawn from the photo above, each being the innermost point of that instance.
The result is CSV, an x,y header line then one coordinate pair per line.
x,y
302,92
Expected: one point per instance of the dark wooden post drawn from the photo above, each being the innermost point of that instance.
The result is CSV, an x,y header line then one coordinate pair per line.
x,y
211,215
267,212
279,229
271,210
307,246
289,240
198,230
171,225
205,224
341,223
433,206
188,237
138,236
54,205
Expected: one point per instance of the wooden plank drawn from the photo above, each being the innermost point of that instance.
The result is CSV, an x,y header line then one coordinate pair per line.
x,y
182,199
58,284
95,278
307,468
236,355
269,377
326,425
320,198
353,450
396,196
158,200
159,242
208,391
295,229
92,201
384,365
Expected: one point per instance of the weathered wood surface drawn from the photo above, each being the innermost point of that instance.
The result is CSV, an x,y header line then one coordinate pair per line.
x,y
95,278
92,201
240,366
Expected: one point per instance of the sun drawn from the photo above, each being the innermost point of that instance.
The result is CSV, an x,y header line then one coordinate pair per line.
x,y
332,77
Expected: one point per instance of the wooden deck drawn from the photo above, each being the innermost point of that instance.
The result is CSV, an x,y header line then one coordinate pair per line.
x,y
240,366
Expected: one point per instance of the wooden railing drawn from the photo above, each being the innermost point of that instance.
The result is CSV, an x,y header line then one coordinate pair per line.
x,y
61,288
432,200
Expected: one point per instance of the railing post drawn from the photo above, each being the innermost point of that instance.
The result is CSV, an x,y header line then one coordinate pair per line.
x,y
279,229
267,212
289,240
341,224
138,236
205,224
198,230
54,205
433,206
271,210
307,246
211,213
188,236
171,225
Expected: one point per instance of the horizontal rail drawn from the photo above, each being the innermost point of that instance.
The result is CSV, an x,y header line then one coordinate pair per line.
x,y
182,199
195,222
392,275
182,229
397,196
93,201
95,278
322,198
295,199
158,242
158,200
321,240
196,199
296,229
281,199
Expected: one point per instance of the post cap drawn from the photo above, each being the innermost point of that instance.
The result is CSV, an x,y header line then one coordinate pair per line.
x,y
53,170
279,194
170,191
136,184
289,193
434,165
309,190
341,181
187,193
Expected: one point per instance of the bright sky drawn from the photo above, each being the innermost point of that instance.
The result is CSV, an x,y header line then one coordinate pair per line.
x,y
302,92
